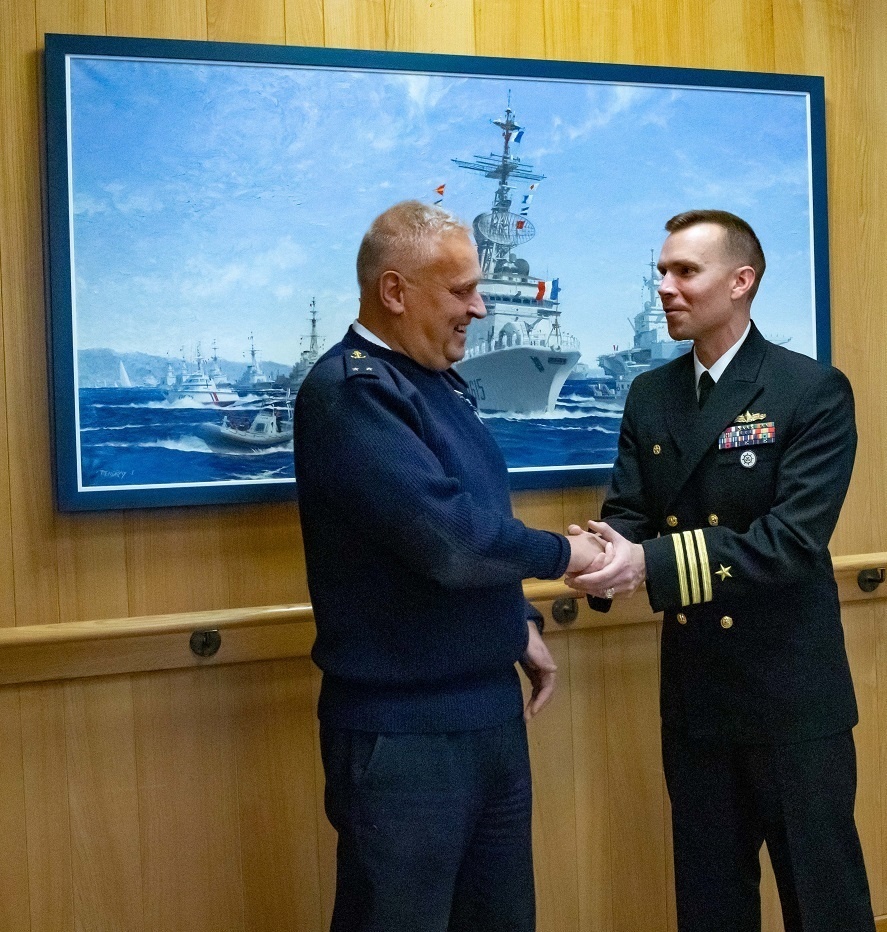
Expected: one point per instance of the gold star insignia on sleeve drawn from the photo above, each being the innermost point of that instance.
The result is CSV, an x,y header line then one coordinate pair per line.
x,y
724,572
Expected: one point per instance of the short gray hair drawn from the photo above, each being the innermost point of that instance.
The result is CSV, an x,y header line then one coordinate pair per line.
x,y
405,233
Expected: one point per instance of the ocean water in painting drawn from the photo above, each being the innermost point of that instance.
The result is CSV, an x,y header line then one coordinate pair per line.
x,y
134,436
582,430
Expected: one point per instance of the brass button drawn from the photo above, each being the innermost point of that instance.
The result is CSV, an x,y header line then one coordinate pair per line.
x,y
682,618
726,622
656,449
713,520
671,521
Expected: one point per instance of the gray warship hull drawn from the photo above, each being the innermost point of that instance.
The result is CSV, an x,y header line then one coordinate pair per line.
x,y
518,379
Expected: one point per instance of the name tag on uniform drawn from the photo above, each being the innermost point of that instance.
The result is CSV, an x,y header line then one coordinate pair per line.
x,y
747,435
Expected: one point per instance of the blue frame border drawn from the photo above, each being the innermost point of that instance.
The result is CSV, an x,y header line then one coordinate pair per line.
x,y
58,254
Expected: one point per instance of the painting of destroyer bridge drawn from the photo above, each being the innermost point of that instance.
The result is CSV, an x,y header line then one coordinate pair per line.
x,y
206,199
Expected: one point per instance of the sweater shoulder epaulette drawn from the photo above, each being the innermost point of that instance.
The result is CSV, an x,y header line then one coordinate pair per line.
x,y
359,364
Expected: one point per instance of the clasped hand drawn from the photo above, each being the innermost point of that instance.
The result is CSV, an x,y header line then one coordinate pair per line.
x,y
603,563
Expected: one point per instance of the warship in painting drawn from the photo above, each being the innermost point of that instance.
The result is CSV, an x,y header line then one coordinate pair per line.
x,y
652,346
517,358
197,386
309,356
253,380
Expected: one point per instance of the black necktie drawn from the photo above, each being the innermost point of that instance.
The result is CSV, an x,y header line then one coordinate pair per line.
x,y
706,384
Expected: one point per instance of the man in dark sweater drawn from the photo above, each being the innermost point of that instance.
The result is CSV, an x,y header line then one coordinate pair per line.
x,y
415,565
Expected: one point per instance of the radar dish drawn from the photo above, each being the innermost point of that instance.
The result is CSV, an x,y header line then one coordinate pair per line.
x,y
504,228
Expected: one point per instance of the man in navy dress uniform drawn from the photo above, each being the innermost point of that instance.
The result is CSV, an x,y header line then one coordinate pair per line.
x,y
733,464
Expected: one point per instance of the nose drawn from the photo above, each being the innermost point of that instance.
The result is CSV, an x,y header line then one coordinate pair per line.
x,y
477,308
666,286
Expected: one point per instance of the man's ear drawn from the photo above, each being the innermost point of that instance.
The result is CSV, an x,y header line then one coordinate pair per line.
x,y
391,291
743,279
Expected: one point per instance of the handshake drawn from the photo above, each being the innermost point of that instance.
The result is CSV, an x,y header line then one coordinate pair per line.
x,y
602,562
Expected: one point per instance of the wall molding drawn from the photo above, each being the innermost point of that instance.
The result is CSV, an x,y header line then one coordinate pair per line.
x,y
37,653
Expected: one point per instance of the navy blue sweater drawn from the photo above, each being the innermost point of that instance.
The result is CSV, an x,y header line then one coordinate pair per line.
x,y
414,559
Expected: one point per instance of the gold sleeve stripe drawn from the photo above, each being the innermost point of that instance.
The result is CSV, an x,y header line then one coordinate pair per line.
x,y
693,563
682,568
704,568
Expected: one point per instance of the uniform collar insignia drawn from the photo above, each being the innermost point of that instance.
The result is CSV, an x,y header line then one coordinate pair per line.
x,y
358,355
749,418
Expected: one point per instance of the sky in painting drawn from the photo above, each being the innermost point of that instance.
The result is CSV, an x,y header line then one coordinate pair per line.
x,y
212,201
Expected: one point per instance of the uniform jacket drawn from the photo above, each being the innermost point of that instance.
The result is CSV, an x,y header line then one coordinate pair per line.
x,y
735,506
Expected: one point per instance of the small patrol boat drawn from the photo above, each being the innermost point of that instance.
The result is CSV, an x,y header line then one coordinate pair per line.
x,y
251,431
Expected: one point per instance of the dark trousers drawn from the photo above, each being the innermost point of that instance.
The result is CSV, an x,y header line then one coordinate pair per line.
x,y
727,800
434,830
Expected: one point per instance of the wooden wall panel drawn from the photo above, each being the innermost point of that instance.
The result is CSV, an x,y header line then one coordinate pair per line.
x,y
441,26
104,805
269,711
33,590
554,822
91,563
198,795
879,881
15,907
637,842
167,19
507,29
354,25
187,789
594,868
70,16
131,802
50,885
326,835
304,22
257,21
861,625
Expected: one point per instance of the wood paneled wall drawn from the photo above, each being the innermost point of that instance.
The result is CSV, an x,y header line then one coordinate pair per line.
x,y
192,799
134,802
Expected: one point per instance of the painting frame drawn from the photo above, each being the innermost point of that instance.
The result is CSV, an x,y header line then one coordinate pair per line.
x,y
72,493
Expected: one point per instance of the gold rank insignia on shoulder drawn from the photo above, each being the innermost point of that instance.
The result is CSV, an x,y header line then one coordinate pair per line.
x,y
749,418
358,355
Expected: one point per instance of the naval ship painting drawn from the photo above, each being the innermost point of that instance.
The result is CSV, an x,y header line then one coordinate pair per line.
x,y
517,358
652,346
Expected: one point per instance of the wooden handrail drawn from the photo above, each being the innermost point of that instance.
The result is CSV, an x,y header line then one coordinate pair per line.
x,y
845,567
183,623
859,561
272,615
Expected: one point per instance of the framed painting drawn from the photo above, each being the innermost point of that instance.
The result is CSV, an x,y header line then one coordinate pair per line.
x,y
206,202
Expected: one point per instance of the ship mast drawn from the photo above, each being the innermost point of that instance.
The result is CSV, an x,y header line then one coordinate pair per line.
x,y
652,285
313,351
497,230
